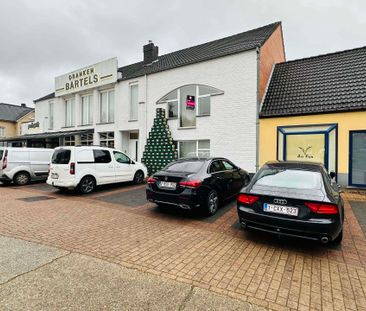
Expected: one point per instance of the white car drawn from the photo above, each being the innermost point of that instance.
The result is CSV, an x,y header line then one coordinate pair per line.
x,y
85,167
22,165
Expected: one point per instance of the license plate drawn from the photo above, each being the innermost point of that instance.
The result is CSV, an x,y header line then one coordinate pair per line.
x,y
279,209
168,185
54,176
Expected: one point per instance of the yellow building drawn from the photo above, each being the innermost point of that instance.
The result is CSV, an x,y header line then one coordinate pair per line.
x,y
314,109
14,120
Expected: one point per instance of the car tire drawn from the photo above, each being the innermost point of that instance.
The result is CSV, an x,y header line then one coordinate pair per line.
x,y
212,203
139,177
338,239
87,185
22,179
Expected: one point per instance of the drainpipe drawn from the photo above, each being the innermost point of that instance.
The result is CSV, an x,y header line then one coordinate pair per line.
x,y
146,131
257,112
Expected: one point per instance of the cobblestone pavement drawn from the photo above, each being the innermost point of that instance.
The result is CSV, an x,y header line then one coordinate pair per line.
x,y
214,253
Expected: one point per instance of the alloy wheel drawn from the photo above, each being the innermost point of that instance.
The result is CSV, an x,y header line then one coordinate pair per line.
x,y
139,177
213,202
87,185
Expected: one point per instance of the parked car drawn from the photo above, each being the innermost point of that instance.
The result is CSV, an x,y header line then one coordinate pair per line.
x,y
85,167
196,183
297,199
22,165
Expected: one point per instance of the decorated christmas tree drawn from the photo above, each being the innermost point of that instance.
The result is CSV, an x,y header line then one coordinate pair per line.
x,y
159,149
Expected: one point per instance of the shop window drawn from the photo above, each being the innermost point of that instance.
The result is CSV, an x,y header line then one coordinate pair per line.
x,y
134,101
107,107
86,139
2,131
50,115
196,148
106,139
69,112
188,102
86,109
69,140
310,143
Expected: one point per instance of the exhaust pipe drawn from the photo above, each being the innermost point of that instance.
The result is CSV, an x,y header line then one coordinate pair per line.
x,y
184,206
324,239
243,224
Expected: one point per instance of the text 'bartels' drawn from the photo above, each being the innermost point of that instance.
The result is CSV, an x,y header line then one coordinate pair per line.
x,y
82,78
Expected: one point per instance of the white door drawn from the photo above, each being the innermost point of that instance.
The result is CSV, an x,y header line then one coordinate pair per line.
x,y
123,167
104,166
134,143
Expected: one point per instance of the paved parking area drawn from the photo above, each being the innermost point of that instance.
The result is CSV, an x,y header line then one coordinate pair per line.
x,y
211,254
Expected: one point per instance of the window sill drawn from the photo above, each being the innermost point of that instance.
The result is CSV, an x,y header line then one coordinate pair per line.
x,y
68,127
172,118
102,123
132,120
203,115
187,128
86,125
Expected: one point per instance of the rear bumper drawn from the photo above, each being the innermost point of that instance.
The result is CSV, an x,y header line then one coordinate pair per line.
x,y
312,229
4,178
62,184
188,199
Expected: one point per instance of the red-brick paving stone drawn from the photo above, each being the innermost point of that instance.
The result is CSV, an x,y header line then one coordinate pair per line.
x,y
278,274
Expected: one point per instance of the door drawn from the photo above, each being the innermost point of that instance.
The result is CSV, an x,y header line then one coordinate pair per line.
x,y
104,166
357,158
124,169
221,177
236,180
134,149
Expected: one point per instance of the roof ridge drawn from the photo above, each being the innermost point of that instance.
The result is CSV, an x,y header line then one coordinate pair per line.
x,y
274,24
322,55
14,105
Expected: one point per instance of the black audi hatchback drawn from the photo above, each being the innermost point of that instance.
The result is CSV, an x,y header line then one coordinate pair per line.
x,y
296,199
196,183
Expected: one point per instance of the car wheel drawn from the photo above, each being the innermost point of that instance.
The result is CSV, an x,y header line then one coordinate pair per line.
x,y
212,202
87,185
139,177
339,238
22,178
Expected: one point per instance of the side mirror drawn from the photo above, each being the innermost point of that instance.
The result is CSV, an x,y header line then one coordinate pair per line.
x,y
332,175
132,161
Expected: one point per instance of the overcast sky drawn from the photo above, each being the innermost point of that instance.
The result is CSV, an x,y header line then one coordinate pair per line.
x,y
40,39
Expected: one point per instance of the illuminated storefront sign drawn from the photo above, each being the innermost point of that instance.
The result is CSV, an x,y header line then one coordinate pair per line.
x,y
88,77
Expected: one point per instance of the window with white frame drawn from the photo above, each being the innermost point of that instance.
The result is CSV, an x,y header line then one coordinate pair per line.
x,y
69,140
2,131
69,112
107,106
134,101
106,139
86,109
86,139
188,102
50,115
194,148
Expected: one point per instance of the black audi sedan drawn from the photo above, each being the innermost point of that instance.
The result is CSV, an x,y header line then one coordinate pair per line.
x,y
298,199
196,183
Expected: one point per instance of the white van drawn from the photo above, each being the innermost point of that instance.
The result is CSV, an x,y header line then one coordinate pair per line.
x,y
85,167
21,165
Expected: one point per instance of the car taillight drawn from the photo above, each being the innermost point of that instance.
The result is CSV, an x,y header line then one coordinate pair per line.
x,y
322,208
151,180
49,168
247,198
72,168
190,183
5,162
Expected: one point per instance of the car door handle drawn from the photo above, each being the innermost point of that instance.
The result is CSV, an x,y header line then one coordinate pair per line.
x,y
110,166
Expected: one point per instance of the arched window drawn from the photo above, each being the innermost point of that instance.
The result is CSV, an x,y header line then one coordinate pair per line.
x,y
188,102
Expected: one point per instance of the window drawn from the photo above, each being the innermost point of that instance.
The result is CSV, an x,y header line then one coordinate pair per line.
x,y
87,109
107,107
69,140
102,156
86,139
198,104
197,148
106,139
61,156
216,166
185,166
134,101
121,158
69,112
2,132
227,165
50,115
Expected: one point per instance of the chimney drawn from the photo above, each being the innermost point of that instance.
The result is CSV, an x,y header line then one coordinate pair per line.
x,y
23,105
151,53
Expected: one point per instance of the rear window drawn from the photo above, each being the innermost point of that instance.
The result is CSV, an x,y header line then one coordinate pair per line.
x,y
102,156
189,166
61,156
288,178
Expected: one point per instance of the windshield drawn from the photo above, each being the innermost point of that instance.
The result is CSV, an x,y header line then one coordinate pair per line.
x,y
61,156
187,166
288,178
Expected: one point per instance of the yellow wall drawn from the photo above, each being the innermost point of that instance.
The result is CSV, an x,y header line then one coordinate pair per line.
x,y
346,121
25,119
10,128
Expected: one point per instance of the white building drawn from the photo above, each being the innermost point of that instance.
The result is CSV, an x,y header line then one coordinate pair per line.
x,y
106,105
